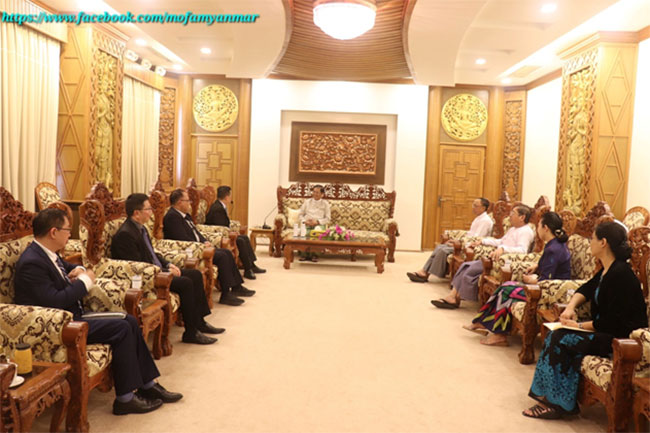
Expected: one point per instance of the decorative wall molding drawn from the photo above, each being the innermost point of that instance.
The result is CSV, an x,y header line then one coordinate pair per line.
x,y
166,137
513,150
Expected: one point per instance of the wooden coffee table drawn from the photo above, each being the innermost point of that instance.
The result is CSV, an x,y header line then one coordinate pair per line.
x,y
46,386
307,244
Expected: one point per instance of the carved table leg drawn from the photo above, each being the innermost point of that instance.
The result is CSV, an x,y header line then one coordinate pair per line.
x,y
253,241
60,407
271,242
288,256
379,260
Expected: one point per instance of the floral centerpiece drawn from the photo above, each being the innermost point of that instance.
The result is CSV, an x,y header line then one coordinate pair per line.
x,y
337,233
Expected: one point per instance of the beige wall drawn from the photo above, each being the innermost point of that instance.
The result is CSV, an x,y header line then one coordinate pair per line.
x,y
637,192
404,166
542,139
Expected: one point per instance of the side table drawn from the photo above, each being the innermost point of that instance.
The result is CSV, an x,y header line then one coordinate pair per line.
x,y
264,233
641,405
46,386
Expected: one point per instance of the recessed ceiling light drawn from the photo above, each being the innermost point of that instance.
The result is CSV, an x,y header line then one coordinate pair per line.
x,y
177,67
506,80
141,42
549,8
206,50
480,61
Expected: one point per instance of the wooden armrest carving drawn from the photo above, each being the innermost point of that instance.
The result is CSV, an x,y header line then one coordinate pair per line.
x,y
162,282
191,263
132,301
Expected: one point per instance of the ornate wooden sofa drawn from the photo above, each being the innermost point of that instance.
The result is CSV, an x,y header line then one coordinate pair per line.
x,y
637,216
368,212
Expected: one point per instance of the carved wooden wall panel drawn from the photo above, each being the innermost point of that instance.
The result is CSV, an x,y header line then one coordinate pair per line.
x,y
215,158
72,132
574,173
337,152
166,137
513,150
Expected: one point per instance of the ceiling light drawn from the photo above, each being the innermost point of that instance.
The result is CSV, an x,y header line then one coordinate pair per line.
x,y
549,8
206,50
131,55
345,19
146,64
480,61
506,80
177,67
141,42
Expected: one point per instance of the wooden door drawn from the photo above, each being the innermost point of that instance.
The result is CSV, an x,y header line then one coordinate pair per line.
x,y
460,181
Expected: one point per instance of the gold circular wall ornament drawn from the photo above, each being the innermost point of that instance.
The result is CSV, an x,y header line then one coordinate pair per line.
x,y
215,108
464,117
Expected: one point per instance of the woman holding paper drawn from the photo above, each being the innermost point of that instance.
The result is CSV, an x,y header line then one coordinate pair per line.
x,y
495,316
617,308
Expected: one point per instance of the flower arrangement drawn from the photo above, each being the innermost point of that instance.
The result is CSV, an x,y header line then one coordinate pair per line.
x,y
337,233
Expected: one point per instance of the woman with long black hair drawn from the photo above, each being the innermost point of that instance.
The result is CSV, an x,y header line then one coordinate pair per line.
x,y
617,308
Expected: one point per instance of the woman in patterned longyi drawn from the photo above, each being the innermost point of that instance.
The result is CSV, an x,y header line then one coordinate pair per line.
x,y
617,308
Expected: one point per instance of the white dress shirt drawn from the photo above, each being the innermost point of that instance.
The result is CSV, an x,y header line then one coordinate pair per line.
x,y
187,221
52,256
315,209
516,240
481,226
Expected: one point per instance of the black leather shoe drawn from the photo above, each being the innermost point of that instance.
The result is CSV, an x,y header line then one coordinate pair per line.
x,y
242,291
206,328
197,338
250,275
230,300
159,392
258,270
136,405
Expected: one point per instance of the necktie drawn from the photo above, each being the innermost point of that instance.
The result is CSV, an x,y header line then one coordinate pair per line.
x,y
59,263
147,242
188,218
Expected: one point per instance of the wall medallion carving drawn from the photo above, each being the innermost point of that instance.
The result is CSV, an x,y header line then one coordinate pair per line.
x,y
325,152
464,117
215,108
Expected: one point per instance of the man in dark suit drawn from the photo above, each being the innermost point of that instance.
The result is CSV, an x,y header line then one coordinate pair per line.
x,y
44,279
218,216
178,225
132,242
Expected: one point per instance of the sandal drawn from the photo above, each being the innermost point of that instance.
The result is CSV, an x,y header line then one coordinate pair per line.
x,y
446,305
542,412
503,343
481,331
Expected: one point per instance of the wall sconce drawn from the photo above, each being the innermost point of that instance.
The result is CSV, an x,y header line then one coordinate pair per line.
x,y
131,55
161,71
146,64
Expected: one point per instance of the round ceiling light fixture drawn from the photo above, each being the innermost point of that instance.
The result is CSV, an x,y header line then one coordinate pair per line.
x,y
345,19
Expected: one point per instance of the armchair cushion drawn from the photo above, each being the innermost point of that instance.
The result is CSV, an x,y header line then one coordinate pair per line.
x,y
293,217
10,252
642,335
633,220
598,370
98,357
583,264
41,327
107,295
48,195
360,215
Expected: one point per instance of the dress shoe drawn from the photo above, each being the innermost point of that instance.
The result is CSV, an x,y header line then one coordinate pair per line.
x,y
250,274
197,337
416,278
258,270
157,391
242,291
136,405
230,300
206,328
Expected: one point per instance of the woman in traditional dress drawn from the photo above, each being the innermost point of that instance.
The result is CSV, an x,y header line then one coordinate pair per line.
x,y
617,308
495,316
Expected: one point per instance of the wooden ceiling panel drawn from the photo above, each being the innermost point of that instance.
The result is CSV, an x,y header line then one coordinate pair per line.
x,y
377,55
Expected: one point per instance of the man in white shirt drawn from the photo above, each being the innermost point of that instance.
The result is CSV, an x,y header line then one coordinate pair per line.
x,y
314,211
437,262
517,239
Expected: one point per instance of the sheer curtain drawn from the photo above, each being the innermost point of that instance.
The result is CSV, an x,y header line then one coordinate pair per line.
x,y
29,100
140,120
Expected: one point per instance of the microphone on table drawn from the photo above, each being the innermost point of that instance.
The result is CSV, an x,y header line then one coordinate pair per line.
x,y
266,226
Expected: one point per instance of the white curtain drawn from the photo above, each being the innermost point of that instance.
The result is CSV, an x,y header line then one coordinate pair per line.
x,y
29,102
140,121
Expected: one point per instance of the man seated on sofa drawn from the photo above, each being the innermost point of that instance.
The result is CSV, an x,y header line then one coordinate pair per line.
x,y
44,279
218,216
132,242
437,262
178,225
313,212
517,239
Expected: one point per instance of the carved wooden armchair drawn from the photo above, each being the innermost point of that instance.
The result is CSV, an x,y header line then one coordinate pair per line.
x,y
160,204
637,216
53,335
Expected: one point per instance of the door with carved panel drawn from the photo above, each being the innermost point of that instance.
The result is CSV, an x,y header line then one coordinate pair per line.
x,y
215,159
460,181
